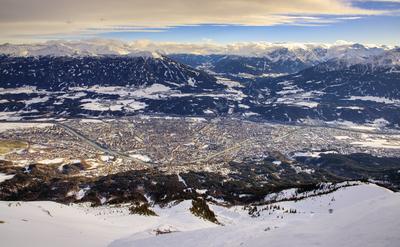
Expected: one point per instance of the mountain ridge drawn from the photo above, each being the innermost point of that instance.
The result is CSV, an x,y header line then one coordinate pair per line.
x,y
307,53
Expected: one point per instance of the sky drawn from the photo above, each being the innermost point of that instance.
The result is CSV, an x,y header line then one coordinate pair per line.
x,y
202,21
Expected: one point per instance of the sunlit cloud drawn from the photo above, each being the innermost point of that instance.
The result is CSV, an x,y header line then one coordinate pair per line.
x,y
35,18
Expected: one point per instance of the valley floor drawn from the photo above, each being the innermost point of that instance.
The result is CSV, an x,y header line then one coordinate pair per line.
x,y
361,215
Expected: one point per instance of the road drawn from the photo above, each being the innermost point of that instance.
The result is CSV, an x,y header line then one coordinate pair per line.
x,y
85,139
98,146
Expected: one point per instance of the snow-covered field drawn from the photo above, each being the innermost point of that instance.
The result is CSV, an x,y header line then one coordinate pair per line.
x,y
363,215
11,126
379,142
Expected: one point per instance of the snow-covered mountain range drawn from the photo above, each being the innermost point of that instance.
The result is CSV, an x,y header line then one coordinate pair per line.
x,y
280,82
310,54
74,48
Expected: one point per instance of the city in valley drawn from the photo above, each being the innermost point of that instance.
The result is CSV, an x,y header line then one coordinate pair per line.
x,y
181,144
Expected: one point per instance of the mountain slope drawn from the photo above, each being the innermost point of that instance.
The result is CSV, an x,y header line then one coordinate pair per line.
x,y
334,90
236,65
96,85
64,72
369,213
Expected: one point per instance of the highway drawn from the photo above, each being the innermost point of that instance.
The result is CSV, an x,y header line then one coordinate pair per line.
x,y
85,139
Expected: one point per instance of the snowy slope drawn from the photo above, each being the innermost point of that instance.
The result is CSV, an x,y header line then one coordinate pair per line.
x,y
364,215
52,224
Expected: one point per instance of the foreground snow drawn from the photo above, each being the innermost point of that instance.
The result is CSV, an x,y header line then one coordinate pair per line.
x,y
363,215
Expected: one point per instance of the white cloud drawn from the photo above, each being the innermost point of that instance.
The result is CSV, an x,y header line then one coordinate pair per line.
x,y
349,18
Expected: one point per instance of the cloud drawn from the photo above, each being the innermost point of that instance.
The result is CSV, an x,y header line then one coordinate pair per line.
x,y
349,18
34,18
210,47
